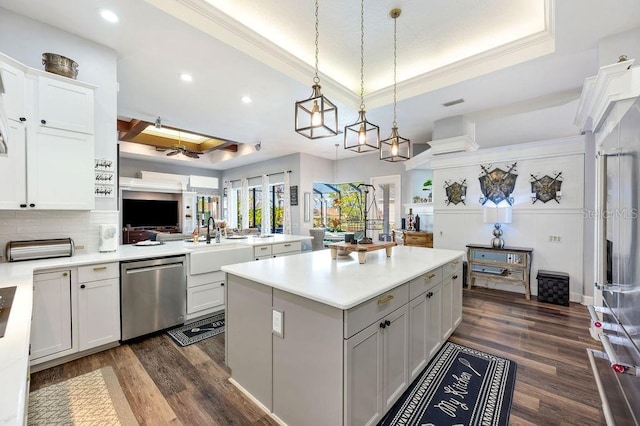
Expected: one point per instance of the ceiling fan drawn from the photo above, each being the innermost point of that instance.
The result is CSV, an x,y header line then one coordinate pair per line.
x,y
177,148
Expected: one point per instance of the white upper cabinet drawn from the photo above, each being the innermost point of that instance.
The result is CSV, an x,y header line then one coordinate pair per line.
x,y
49,160
65,105
13,97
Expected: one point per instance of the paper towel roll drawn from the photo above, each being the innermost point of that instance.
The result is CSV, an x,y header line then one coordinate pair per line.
x,y
108,238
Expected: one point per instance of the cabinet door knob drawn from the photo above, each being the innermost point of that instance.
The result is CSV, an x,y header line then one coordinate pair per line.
x,y
387,323
383,325
82,286
64,274
23,119
32,205
221,284
23,206
455,277
43,121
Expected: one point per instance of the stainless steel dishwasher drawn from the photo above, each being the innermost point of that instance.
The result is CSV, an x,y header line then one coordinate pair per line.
x,y
153,295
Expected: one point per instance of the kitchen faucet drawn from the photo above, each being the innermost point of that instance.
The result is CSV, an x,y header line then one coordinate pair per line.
x,y
209,228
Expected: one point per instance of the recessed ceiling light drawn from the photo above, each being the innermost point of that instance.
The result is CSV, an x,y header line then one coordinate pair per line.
x,y
186,77
109,16
246,99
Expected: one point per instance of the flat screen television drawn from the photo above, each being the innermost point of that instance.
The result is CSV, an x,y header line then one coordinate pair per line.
x,y
147,213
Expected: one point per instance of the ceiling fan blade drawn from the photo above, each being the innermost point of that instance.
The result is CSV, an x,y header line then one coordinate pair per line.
x,y
191,154
172,153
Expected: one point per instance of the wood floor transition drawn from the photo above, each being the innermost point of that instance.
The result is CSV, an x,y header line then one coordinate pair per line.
x,y
167,384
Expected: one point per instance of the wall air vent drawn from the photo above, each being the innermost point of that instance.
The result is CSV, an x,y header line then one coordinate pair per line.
x,y
454,102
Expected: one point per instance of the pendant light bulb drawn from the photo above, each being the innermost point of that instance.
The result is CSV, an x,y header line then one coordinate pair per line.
x,y
316,117
362,135
394,147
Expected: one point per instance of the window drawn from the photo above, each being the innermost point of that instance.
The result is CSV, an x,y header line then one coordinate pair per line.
x,y
276,207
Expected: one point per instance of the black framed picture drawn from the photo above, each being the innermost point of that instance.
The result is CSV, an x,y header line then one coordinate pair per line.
x,y
293,196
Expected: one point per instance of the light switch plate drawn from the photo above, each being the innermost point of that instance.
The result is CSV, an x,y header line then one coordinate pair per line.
x,y
277,323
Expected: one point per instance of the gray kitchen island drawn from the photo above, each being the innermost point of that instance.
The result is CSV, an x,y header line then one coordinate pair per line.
x,y
317,341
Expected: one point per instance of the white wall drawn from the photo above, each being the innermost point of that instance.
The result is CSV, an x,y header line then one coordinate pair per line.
x,y
455,226
626,43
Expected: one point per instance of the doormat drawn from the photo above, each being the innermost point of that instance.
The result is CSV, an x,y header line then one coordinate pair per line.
x,y
460,386
95,398
198,331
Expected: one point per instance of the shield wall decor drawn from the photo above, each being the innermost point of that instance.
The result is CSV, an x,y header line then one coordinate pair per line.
x,y
456,192
546,188
497,185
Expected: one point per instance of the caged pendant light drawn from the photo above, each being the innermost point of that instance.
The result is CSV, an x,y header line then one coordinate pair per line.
x,y
362,136
316,117
395,148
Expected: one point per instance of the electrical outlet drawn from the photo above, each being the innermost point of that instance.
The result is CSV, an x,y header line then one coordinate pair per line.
x,y
79,247
555,238
277,321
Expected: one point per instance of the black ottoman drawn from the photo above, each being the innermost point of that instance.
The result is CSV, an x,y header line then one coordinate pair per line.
x,y
553,287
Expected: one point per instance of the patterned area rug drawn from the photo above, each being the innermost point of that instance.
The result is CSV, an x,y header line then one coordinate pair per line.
x,y
198,331
460,386
94,398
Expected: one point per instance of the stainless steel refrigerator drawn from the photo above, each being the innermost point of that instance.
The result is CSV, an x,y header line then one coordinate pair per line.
x,y
616,312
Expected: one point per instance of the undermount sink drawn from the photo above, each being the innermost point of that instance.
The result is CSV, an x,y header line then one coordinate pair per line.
x,y
210,257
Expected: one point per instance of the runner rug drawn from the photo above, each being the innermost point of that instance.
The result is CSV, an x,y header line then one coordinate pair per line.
x,y
460,386
198,331
95,398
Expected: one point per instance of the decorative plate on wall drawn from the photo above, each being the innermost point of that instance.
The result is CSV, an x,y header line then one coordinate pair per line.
x,y
496,184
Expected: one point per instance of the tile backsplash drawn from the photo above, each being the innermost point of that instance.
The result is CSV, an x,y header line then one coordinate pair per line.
x,y
81,226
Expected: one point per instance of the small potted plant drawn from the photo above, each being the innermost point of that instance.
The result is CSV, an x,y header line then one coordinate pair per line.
x,y
426,186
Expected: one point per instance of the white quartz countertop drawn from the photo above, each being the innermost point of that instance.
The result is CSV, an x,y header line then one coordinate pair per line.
x,y
343,283
14,346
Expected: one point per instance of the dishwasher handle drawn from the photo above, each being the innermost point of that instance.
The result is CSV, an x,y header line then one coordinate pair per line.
x,y
154,268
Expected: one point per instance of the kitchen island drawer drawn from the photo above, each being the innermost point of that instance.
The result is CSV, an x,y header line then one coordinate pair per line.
x,y
449,268
99,271
361,316
279,248
419,285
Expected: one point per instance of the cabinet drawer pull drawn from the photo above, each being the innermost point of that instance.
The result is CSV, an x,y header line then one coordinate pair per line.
x,y
383,325
99,268
455,277
386,299
82,286
430,276
263,248
64,274
455,262
287,245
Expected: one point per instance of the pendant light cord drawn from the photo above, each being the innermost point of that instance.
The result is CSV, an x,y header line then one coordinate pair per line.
x,y
361,55
316,79
395,66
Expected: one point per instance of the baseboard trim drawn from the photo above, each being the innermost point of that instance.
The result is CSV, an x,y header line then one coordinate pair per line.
x,y
52,363
255,401
587,300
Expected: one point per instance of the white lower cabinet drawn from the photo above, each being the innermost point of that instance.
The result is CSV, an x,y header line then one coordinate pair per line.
x,y
204,297
74,310
377,370
456,292
98,305
51,319
424,329
446,304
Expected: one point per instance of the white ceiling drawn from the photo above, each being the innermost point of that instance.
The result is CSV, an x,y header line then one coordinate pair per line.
x,y
506,58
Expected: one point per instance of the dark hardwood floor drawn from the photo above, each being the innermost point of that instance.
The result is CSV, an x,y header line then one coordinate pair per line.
x,y
167,384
